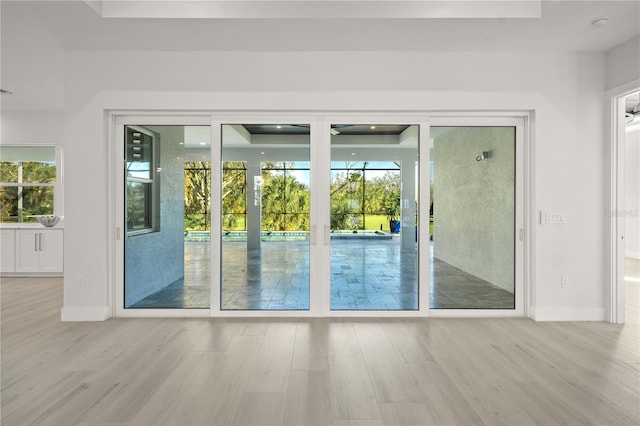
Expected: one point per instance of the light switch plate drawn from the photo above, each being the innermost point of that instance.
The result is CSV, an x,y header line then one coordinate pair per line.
x,y
549,218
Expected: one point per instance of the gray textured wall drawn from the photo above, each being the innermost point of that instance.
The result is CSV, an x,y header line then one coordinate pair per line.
x,y
474,201
155,260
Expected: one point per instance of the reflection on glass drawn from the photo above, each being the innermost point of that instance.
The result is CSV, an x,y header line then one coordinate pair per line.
x,y
374,197
138,206
473,218
168,198
266,217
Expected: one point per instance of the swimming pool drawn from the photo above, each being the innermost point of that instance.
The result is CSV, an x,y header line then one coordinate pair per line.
x,y
360,235
240,236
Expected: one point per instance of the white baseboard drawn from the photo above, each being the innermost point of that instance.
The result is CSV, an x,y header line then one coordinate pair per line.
x,y
94,313
567,313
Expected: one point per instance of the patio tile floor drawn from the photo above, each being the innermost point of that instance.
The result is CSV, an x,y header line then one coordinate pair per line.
x,y
365,275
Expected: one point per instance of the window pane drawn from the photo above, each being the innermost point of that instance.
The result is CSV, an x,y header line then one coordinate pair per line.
x,y
139,154
197,221
297,192
9,204
8,172
197,196
38,172
234,186
36,200
304,165
346,199
138,206
40,154
234,222
273,222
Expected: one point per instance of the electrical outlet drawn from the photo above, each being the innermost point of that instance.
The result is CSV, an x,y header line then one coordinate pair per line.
x,y
564,282
80,281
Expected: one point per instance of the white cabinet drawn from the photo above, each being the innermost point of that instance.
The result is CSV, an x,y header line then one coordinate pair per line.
x,y
39,251
7,251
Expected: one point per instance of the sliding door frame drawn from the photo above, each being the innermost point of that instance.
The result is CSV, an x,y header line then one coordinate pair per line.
x,y
320,160
522,219
315,268
118,228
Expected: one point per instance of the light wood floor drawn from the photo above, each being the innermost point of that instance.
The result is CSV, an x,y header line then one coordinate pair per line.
x,y
310,371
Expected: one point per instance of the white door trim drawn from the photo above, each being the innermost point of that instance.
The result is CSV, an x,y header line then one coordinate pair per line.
x,y
615,109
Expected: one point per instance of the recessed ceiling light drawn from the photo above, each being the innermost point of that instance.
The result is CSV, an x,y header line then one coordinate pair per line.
x,y
373,127
262,153
203,143
353,153
278,127
600,22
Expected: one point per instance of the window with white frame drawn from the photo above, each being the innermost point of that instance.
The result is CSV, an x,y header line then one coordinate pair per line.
x,y
142,189
29,177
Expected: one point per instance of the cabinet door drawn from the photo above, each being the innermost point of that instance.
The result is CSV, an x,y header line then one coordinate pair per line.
x,y
27,253
50,244
7,250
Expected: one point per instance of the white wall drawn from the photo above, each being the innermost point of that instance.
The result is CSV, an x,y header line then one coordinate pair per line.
x,y
623,63
564,90
32,127
632,192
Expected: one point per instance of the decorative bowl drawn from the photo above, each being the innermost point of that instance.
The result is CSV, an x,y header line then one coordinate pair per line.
x,y
48,220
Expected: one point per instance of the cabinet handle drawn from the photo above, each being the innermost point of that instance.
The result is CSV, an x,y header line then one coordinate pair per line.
x,y
40,242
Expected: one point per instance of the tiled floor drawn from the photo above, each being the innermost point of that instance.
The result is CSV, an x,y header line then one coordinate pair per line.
x,y
365,275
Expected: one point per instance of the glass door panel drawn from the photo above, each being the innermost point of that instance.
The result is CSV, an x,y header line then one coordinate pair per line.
x,y
373,219
265,217
167,217
473,211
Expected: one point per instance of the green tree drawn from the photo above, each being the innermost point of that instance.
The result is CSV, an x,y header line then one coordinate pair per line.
x,y
285,200
234,195
197,195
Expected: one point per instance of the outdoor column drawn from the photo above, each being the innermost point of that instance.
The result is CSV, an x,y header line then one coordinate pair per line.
x,y
407,202
254,220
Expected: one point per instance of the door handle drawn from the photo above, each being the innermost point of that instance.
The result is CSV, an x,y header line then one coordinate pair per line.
x,y
312,236
40,242
327,234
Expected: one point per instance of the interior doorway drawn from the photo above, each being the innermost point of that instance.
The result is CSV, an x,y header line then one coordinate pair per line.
x,y
630,214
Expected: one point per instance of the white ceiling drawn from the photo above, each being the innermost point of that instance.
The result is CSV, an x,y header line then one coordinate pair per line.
x,y
35,34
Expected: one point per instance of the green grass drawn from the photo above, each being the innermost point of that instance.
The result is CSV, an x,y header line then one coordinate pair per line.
x,y
373,222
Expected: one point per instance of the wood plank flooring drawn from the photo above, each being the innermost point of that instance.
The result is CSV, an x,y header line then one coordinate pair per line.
x,y
311,371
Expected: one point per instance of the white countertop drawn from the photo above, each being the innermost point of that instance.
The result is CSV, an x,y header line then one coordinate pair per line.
x,y
29,225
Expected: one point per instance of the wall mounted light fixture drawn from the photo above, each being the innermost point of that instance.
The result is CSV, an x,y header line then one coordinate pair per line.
x,y
483,156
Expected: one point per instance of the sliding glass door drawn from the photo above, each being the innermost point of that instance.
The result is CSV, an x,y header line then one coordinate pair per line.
x,y
475,218
265,198
373,219
376,215
166,216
